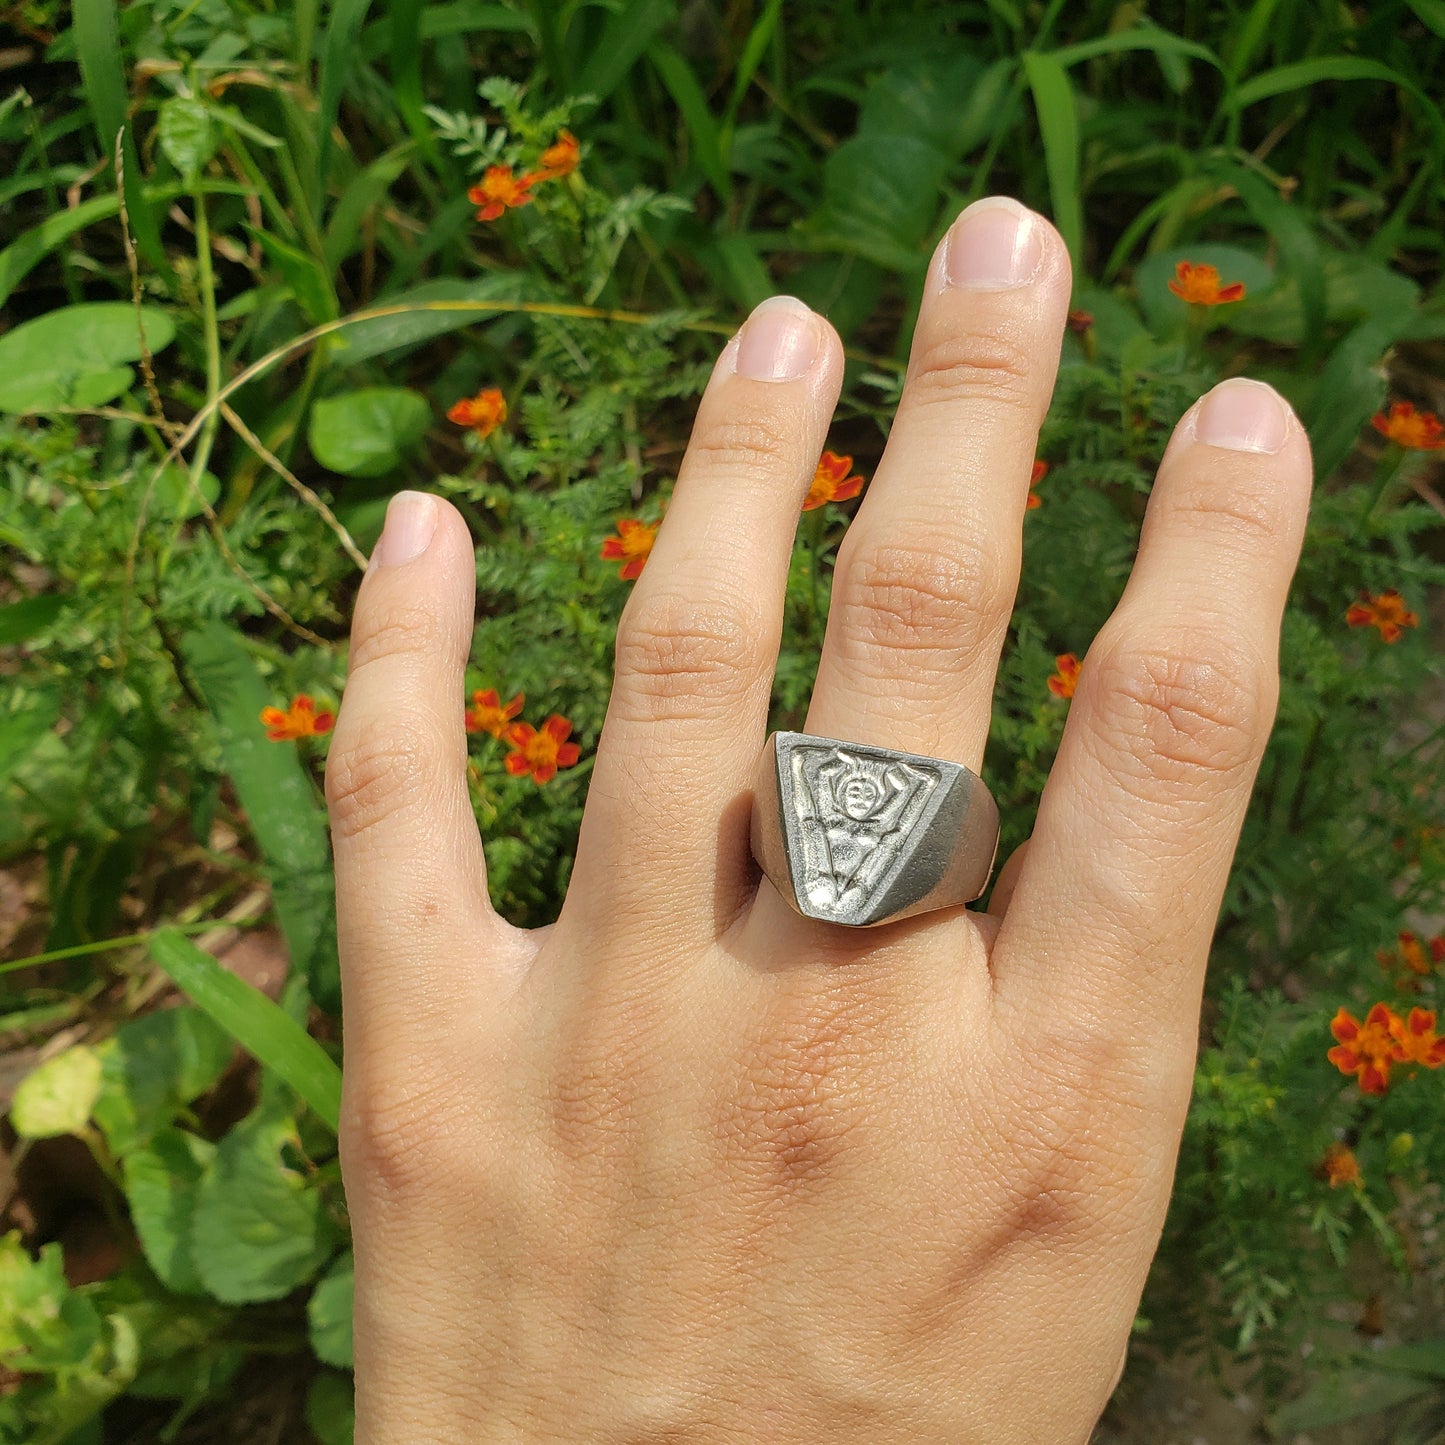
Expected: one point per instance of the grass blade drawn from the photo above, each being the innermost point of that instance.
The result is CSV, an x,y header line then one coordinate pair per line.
x,y
702,126
337,50
627,33
262,1028
1059,125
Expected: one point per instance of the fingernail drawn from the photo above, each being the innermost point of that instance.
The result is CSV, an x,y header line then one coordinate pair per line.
x,y
411,519
1243,416
779,341
993,246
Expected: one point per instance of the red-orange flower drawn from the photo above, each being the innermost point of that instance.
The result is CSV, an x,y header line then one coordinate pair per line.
x,y
560,158
1387,611
541,751
1367,1049
500,189
1421,431
1080,321
831,482
1417,1041
1066,679
1340,1166
300,720
633,542
489,714
1420,956
484,412
1041,470
1198,284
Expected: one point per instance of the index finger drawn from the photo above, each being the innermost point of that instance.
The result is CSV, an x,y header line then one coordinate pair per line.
x,y
1114,909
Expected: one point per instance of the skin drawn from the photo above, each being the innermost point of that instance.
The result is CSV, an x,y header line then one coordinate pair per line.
x,y
685,1166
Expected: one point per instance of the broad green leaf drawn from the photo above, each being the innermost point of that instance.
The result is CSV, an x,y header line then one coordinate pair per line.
x,y
161,1182
186,134
260,1228
20,621
21,731
366,433
280,800
422,312
57,1097
76,355
1059,126
174,499
258,1025
1431,14
884,185
331,1409
328,1313
31,1292
151,1067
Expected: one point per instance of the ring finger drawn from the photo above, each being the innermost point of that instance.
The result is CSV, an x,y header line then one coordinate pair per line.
x,y
925,580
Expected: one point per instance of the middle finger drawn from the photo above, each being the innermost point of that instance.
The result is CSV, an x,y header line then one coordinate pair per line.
x,y
925,580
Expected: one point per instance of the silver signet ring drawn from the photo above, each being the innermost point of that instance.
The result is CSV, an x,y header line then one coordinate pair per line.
x,y
862,835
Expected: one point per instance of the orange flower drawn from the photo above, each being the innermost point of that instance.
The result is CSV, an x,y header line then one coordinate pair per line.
x,y
489,714
1367,1049
1340,1166
560,158
300,720
484,412
633,541
500,189
1421,431
1416,1039
1080,321
1041,470
831,482
1066,679
1386,611
1198,284
1414,955
541,752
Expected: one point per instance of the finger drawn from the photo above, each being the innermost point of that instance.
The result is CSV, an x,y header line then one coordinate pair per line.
x,y
1116,901
666,822
410,875
1007,881
926,577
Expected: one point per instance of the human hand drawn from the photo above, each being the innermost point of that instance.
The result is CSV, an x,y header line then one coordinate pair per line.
x,y
686,1166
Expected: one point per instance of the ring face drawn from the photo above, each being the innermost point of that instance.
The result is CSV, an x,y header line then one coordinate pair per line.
x,y
860,835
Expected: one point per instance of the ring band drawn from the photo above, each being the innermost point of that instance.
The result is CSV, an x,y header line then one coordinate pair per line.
x,y
862,835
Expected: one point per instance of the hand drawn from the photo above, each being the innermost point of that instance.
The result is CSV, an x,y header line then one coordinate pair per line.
x,y
685,1166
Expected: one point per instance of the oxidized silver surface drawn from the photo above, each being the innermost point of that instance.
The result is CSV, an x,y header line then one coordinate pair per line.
x,y
862,835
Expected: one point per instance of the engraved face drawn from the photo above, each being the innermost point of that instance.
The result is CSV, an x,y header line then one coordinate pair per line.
x,y
860,796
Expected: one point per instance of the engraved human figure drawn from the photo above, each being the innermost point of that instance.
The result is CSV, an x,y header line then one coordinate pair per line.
x,y
862,810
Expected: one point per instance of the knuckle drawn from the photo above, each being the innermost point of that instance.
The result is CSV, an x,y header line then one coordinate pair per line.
x,y
1184,712
396,1139
1250,518
973,366
919,599
677,657
402,630
747,446
377,767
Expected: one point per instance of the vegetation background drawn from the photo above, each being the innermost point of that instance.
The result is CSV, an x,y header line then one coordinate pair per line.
x,y
244,285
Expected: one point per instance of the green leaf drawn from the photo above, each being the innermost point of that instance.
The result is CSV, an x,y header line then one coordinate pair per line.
x,y
702,126
422,312
1348,1396
20,621
22,731
161,1183
307,281
338,51
151,1067
629,30
57,1097
366,433
260,1228
74,356
1059,125
328,1313
331,1409
186,134
174,499
885,185
258,1025
280,800
1431,14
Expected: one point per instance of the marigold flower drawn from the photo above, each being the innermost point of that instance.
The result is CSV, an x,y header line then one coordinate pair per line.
x,y
1198,284
633,542
1040,471
1421,431
484,412
1387,611
1340,1167
500,189
1416,1039
831,482
1421,956
489,714
541,751
560,158
1367,1049
1066,679
300,720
